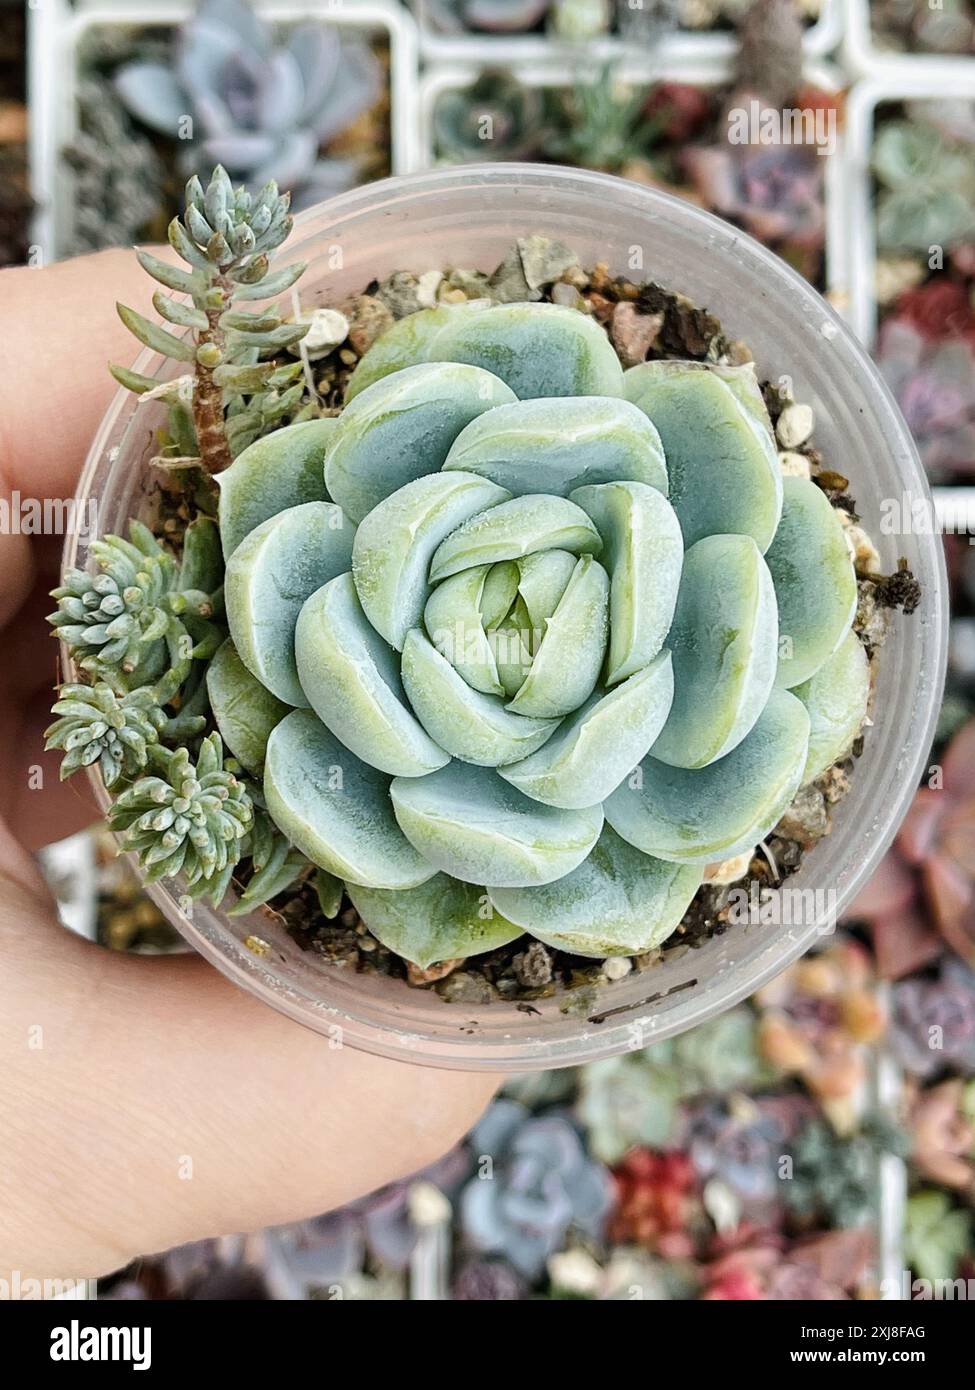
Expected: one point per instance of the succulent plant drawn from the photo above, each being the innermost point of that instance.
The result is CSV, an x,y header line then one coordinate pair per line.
x,y
118,177
97,725
657,1202
933,379
454,668
924,890
261,104
765,1267
646,22
775,191
736,1144
143,610
233,396
942,1125
933,1025
834,1178
948,27
937,1234
632,1099
487,16
497,117
580,21
535,1186
927,187
187,818
602,124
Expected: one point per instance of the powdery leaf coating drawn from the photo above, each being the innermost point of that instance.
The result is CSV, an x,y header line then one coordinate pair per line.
x,y
512,529
815,583
697,816
282,470
721,458
724,644
442,919
555,609
473,826
643,550
537,349
597,746
617,903
396,541
403,427
269,576
352,681
553,446
470,726
336,809
836,698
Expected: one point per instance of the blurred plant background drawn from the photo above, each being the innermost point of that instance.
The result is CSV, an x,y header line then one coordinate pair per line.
x,y
818,1140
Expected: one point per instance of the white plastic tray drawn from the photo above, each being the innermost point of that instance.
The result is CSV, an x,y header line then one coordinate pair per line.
x,y
454,76
56,27
683,46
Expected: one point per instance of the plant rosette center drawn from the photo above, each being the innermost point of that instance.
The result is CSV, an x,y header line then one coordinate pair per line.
x,y
521,642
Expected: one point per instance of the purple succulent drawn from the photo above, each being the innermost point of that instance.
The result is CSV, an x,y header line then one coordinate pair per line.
x,y
934,1021
260,105
934,383
774,191
739,1142
488,16
538,1185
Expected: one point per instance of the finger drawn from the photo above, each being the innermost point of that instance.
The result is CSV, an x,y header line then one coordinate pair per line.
x,y
182,1108
54,393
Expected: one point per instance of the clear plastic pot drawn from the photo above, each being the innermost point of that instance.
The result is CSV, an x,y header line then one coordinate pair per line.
x,y
470,217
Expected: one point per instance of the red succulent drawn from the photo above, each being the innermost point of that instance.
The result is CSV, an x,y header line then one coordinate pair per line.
x,y
656,1200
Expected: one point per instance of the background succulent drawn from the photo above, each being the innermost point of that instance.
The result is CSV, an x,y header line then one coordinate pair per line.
x,y
934,1021
937,1235
933,379
488,16
927,187
494,609
497,117
261,103
535,1185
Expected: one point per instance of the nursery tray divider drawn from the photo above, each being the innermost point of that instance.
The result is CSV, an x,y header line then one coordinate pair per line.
x,y
56,28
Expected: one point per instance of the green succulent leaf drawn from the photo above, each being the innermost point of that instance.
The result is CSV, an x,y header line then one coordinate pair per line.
x,y
405,344
510,529
402,428
596,747
724,645
271,573
836,698
553,446
282,470
815,584
352,680
566,666
618,902
470,824
246,712
701,815
442,919
721,459
537,349
336,809
396,542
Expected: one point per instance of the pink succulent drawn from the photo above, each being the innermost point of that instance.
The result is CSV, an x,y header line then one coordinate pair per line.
x,y
925,886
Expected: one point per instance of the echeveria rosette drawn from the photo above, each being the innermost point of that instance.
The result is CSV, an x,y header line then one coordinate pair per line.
x,y
540,641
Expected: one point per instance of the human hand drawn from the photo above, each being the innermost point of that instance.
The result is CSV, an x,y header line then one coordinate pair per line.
x,y
144,1101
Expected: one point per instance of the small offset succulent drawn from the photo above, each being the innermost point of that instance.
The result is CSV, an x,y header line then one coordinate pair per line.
x,y
540,1185
234,394
260,105
927,187
186,818
98,725
518,574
